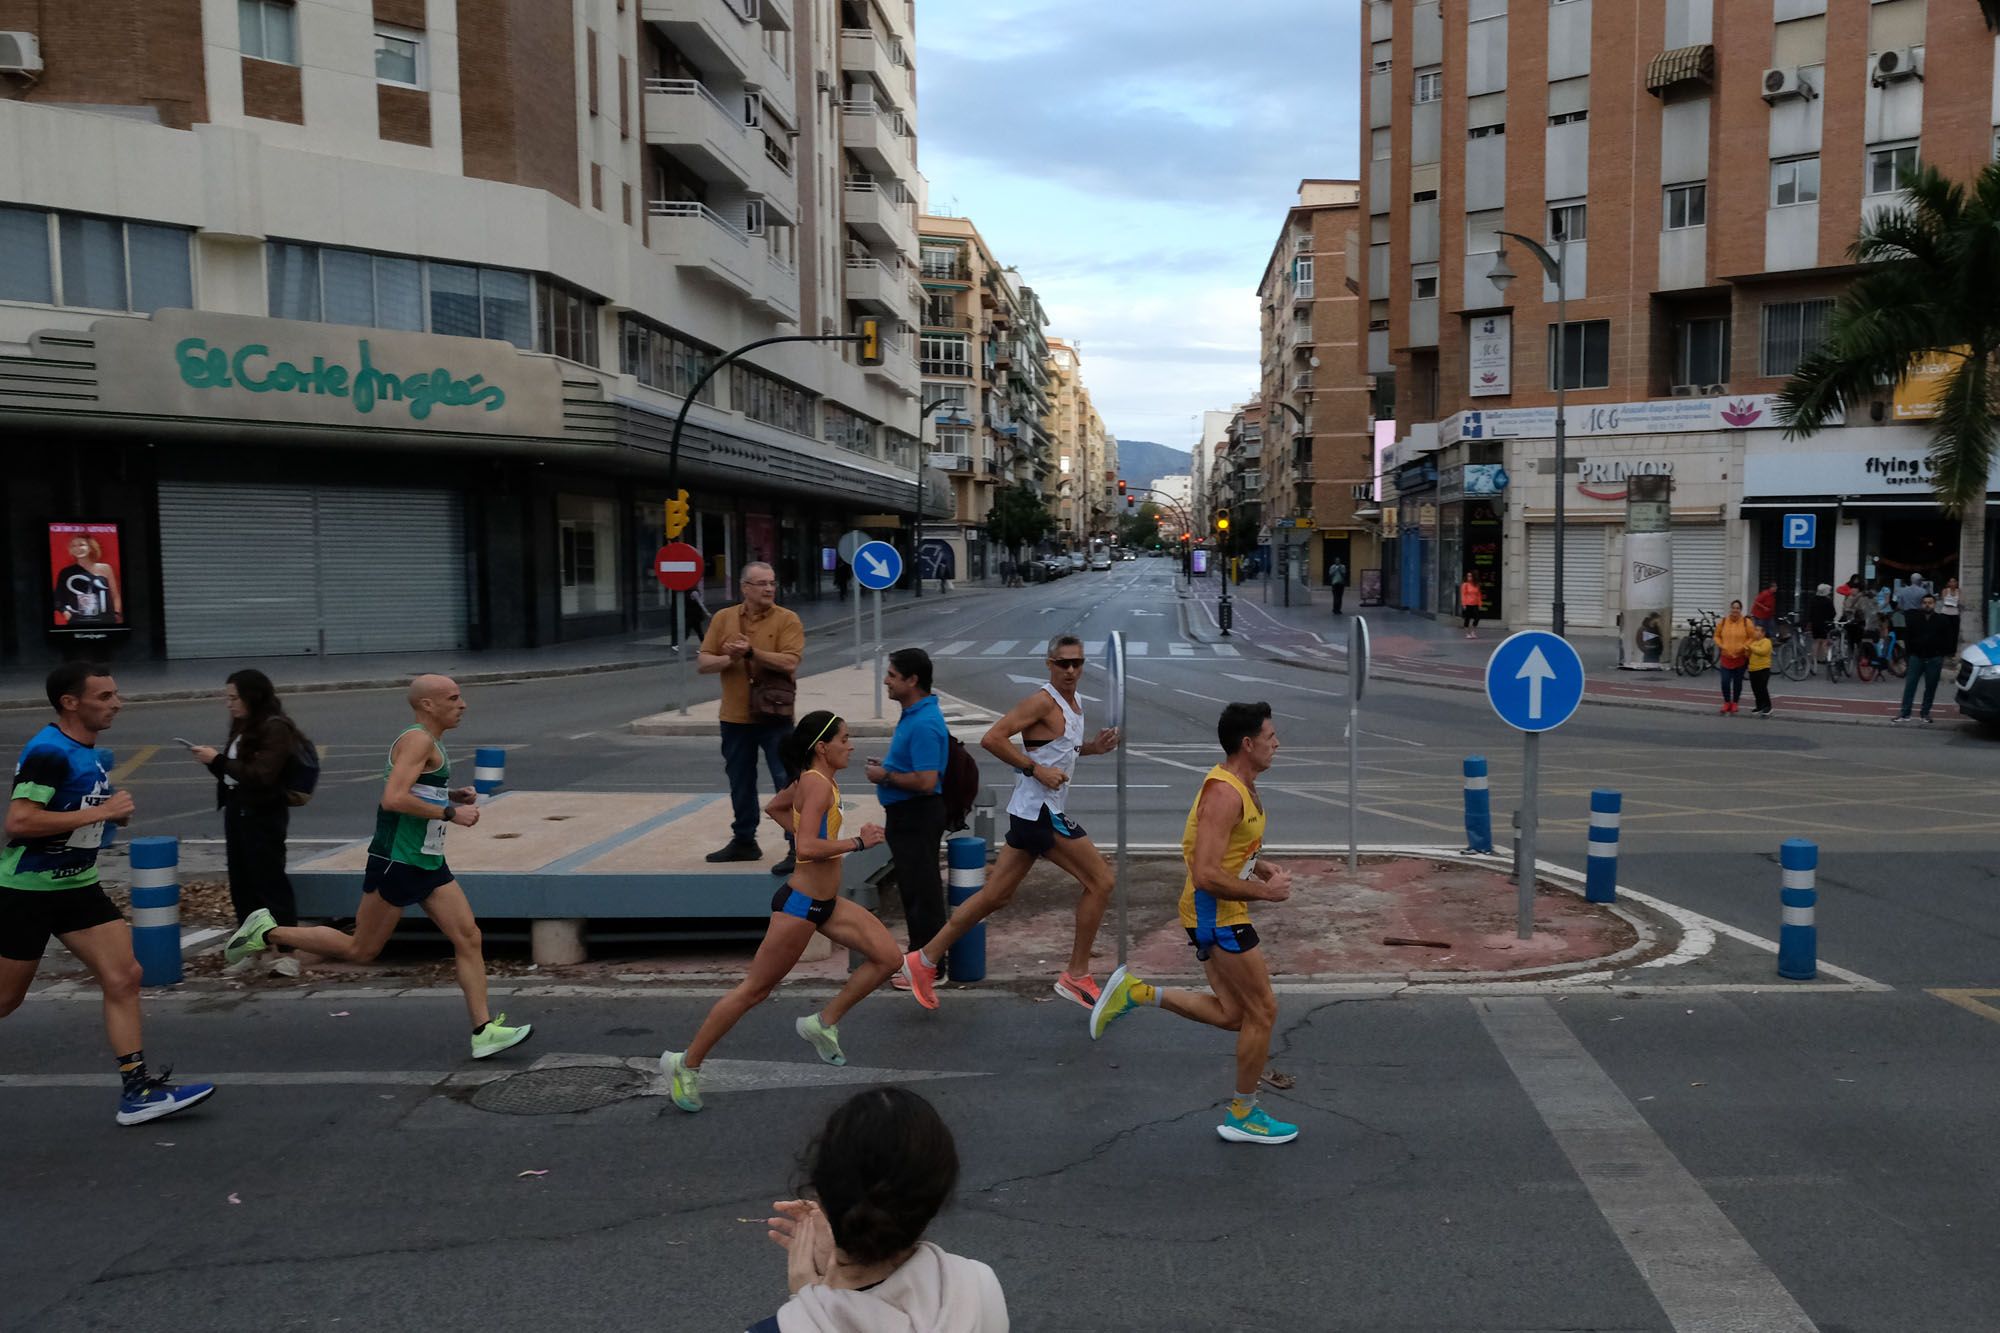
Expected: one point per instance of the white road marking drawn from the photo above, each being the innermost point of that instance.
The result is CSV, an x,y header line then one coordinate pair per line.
x,y
1700,1269
1226,650
1139,649
1180,649
952,649
1000,649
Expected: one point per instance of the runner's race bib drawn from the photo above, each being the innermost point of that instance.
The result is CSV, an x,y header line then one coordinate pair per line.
x,y
433,828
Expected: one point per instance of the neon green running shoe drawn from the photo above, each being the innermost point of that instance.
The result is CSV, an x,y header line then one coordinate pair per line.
x,y
683,1081
249,937
1114,1001
496,1037
825,1038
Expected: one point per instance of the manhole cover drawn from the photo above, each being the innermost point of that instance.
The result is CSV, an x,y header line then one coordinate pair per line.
x,y
559,1091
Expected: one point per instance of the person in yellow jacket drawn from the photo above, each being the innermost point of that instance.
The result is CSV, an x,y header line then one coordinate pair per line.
x,y
1760,668
1732,642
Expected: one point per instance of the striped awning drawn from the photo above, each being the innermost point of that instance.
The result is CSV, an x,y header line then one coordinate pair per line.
x,y
1683,64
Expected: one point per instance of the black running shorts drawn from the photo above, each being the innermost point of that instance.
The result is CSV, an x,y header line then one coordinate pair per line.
x,y
402,884
1037,836
28,917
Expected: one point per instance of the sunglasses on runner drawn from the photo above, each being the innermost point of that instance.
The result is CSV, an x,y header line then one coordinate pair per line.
x,y
1067,663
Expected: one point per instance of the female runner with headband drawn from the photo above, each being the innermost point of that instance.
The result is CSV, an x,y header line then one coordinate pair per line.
x,y
817,749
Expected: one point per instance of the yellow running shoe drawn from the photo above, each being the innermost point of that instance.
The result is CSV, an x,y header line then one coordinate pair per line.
x,y
684,1081
1114,1002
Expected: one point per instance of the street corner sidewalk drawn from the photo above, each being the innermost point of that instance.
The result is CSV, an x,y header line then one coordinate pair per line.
x,y
850,691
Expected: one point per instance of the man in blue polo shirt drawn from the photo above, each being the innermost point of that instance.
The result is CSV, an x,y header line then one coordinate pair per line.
x,y
910,784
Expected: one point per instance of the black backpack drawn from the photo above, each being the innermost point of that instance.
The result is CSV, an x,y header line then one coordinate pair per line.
x,y
961,784
301,772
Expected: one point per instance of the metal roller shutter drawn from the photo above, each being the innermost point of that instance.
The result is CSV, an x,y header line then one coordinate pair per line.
x,y
391,569
1583,575
239,570
1701,572
267,571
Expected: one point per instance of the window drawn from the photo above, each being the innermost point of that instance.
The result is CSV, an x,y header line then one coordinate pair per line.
x,y
770,400
1380,141
946,262
1687,206
1568,222
1888,165
587,531
1485,131
945,356
325,285
1793,330
954,396
1584,356
1795,181
266,30
1424,196
661,359
1701,351
1576,117
93,263
1302,272
1424,282
399,56
849,430
1379,56
1482,231
1430,85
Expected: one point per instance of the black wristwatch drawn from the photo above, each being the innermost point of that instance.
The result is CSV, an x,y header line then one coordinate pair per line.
x,y
445,815
1029,771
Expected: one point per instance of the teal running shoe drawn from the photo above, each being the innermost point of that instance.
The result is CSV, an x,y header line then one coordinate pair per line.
x,y
1257,1127
825,1038
684,1081
249,937
1114,1001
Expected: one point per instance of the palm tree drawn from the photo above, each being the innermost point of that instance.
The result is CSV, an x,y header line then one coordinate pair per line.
x,y
1931,291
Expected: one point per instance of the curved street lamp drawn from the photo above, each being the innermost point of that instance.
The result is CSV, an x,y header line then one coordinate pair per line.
x,y
1501,275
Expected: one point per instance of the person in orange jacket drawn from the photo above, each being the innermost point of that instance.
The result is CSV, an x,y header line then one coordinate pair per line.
x,y
1732,642
1470,603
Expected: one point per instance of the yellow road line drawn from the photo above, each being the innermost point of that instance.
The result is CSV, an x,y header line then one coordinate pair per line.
x,y
1972,1002
135,763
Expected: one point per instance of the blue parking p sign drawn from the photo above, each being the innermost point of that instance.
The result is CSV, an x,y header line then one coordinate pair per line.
x,y
1801,531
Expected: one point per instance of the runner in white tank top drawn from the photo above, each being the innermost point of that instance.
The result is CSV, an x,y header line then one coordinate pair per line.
x,y
1049,724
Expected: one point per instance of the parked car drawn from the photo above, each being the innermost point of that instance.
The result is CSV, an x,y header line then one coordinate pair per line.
x,y
1979,681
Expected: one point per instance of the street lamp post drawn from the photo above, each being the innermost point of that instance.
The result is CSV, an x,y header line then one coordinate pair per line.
x,y
1556,266
917,514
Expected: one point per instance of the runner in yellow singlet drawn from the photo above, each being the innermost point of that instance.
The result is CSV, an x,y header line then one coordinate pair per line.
x,y
810,901
1224,833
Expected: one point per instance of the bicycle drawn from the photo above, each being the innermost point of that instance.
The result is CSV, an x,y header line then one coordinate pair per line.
x,y
1696,652
1793,656
1879,658
1839,652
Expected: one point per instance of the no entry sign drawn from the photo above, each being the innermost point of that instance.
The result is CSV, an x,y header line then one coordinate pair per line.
x,y
679,567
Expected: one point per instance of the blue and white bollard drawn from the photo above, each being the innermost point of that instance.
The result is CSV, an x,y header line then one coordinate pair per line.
x,y
965,862
1798,937
1600,884
156,910
1478,806
489,769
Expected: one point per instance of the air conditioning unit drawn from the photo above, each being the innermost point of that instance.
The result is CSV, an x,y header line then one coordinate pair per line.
x,y
823,80
20,53
1784,85
1685,390
1905,62
1714,390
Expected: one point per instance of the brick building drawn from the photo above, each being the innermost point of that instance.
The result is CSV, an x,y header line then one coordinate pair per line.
x,y
289,284
1707,166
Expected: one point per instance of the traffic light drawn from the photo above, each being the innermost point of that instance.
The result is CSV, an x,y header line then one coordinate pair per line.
x,y
871,342
1131,501
1222,520
677,515
1121,487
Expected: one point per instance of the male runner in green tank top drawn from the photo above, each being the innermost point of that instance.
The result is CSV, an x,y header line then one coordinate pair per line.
x,y
406,867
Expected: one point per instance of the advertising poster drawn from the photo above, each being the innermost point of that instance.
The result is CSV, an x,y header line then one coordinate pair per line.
x,y
1490,356
87,596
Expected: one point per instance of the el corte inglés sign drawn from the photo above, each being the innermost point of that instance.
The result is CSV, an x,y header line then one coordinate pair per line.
x,y
192,363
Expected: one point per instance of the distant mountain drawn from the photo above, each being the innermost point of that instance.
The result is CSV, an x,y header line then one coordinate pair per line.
x,y
1142,462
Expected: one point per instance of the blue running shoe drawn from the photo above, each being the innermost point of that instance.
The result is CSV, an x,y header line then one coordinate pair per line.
x,y
1257,1127
158,1097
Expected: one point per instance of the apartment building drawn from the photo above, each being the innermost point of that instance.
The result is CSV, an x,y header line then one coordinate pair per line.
x,y
1698,170
287,287
1086,501
1202,466
1236,482
984,355
1319,459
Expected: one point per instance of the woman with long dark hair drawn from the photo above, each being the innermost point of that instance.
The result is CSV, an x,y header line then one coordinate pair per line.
x,y
808,901
855,1253
256,809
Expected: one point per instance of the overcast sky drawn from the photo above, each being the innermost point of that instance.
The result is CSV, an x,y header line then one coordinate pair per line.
x,y
1134,161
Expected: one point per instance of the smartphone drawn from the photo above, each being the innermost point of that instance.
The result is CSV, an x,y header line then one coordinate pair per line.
x,y
184,742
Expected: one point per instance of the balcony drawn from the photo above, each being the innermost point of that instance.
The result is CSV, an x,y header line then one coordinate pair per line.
x,y
897,371
961,370
881,214
953,462
878,137
685,118
1302,382
705,247
774,180
1005,353
947,320
712,33
867,55
877,285
777,290
1302,292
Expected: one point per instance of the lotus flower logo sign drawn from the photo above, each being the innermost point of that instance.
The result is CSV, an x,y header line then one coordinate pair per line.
x,y
1489,378
1740,415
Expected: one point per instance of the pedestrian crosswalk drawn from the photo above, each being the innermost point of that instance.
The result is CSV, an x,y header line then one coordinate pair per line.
x,y
1093,648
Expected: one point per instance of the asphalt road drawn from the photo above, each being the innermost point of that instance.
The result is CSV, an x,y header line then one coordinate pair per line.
x,y
1648,1162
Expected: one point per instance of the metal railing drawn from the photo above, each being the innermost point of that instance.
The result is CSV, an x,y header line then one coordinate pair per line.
x,y
675,208
949,369
899,124
696,88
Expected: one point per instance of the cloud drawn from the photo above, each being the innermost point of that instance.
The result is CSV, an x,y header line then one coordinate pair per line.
x,y
1137,172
